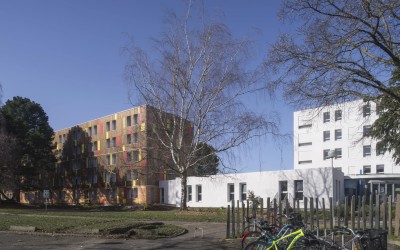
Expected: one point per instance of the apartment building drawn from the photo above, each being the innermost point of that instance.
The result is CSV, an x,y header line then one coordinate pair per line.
x,y
337,136
106,161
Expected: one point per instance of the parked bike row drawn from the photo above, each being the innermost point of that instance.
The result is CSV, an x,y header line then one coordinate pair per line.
x,y
292,234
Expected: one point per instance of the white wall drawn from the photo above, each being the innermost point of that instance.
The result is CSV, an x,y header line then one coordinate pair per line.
x,y
318,182
351,143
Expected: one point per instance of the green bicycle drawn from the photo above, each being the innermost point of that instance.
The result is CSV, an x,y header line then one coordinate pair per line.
x,y
285,242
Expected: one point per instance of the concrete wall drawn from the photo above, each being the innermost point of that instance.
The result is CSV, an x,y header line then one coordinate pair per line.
x,y
317,182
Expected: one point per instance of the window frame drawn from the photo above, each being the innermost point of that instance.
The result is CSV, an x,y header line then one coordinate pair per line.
x,y
135,156
366,130
338,115
297,191
337,136
326,135
199,193
128,121
381,169
189,192
326,117
231,191
243,191
365,152
366,110
368,168
337,151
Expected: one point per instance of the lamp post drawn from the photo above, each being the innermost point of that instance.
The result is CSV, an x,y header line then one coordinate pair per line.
x,y
332,154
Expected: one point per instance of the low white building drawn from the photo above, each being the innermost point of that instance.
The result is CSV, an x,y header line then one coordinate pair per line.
x,y
219,190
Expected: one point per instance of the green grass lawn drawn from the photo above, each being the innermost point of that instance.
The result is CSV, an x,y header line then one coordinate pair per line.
x,y
72,219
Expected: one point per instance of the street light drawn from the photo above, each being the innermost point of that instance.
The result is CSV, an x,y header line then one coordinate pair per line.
x,y
331,154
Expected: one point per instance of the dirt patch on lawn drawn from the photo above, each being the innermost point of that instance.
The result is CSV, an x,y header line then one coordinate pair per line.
x,y
154,230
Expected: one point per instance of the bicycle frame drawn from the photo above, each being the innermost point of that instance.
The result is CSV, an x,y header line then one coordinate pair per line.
x,y
298,234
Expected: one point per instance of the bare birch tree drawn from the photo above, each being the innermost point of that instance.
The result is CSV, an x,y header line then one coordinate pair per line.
x,y
342,50
194,81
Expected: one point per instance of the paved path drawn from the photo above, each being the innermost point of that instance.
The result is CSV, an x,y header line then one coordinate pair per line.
x,y
213,238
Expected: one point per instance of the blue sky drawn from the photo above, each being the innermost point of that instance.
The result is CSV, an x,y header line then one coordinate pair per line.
x,y
66,56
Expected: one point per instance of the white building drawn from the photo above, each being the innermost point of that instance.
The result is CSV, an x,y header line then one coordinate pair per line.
x,y
333,157
219,190
337,136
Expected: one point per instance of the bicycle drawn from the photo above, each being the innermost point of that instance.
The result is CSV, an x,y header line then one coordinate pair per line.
x,y
287,241
271,232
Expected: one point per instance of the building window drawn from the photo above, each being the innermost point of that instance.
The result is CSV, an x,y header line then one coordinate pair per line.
x,y
135,156
95,146
366,130
135,193
231,191
305,144
128,157
90,131
283,189
128,121
189,193
338,134
366,150
114,159
128,139
128,176
135,175
59,139
367,169
366,110
114,142
338,115
298,190
380,151
327,117
95,129
338,153
135,119
135,138
108,143
327,135
107,126
199,193
243,191
108,160
326,154
114,124
380,169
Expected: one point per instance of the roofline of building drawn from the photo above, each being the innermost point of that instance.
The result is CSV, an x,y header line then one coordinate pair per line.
x,y
145,105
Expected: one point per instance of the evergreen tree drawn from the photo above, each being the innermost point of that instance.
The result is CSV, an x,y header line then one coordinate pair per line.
x,y
28,123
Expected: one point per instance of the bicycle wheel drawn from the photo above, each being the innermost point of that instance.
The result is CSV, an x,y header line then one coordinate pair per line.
x,y
250,237
252,228
257,245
